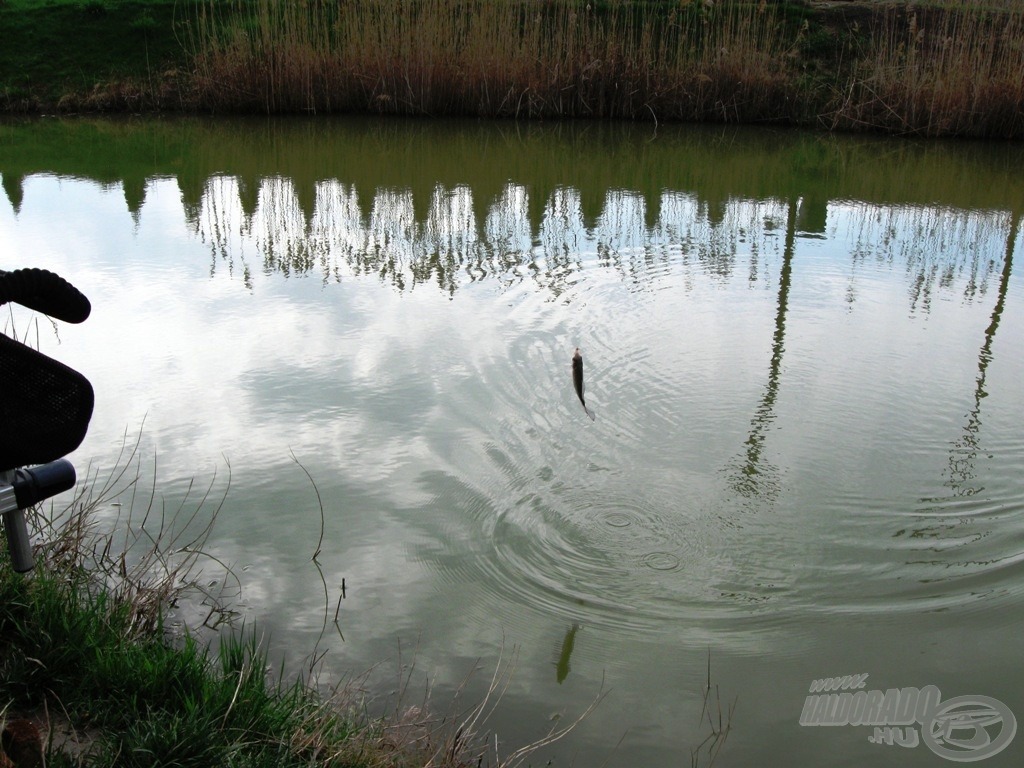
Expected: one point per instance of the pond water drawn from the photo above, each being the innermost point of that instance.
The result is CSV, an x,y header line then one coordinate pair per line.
x,y
803,353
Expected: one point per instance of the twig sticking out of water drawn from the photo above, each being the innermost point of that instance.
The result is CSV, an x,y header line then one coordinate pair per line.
x,y
320,503
457,737
719,725
317,655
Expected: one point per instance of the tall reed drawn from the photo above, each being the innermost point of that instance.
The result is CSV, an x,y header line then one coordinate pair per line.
x,y
955,70
948,68
518,58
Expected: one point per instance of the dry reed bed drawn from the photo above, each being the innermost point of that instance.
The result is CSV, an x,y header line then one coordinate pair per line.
x,y
503,59
955,72
950,70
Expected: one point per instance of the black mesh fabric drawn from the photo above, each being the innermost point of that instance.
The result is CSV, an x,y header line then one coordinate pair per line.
x,y
45,406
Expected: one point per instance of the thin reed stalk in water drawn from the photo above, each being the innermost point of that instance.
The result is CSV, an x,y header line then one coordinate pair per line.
x,y
719,726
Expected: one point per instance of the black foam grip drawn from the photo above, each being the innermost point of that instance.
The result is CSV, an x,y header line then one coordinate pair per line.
x,y
45,292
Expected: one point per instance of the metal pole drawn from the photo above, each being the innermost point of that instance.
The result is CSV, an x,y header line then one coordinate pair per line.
x,y
18,542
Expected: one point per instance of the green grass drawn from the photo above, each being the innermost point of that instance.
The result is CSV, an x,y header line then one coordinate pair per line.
x,y
84,640
63,47
152,703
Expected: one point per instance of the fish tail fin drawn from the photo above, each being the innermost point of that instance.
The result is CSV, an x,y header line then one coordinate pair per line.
x,y
590,413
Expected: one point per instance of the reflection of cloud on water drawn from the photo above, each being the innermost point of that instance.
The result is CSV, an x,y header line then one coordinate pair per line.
x,y
339,372
416,362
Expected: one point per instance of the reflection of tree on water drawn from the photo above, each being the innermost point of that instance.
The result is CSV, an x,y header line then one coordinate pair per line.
x,y
213,223
450,237
751,475
936,246
449,245
964,452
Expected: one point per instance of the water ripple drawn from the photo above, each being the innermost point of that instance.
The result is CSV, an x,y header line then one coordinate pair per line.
x,y
650,516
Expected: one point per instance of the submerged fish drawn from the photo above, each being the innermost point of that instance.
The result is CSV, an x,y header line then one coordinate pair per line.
x,y
577,381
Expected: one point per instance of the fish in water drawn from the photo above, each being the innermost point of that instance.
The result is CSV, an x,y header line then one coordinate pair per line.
x,y
577,381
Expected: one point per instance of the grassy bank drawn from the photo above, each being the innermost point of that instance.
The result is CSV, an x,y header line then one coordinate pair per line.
x,y
935,67
92,671
92,54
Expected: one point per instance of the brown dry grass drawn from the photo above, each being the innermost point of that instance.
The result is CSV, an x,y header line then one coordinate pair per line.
x,y
945,69
953,71
504,59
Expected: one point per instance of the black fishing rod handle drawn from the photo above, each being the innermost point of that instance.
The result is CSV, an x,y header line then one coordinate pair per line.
x,y
45,292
